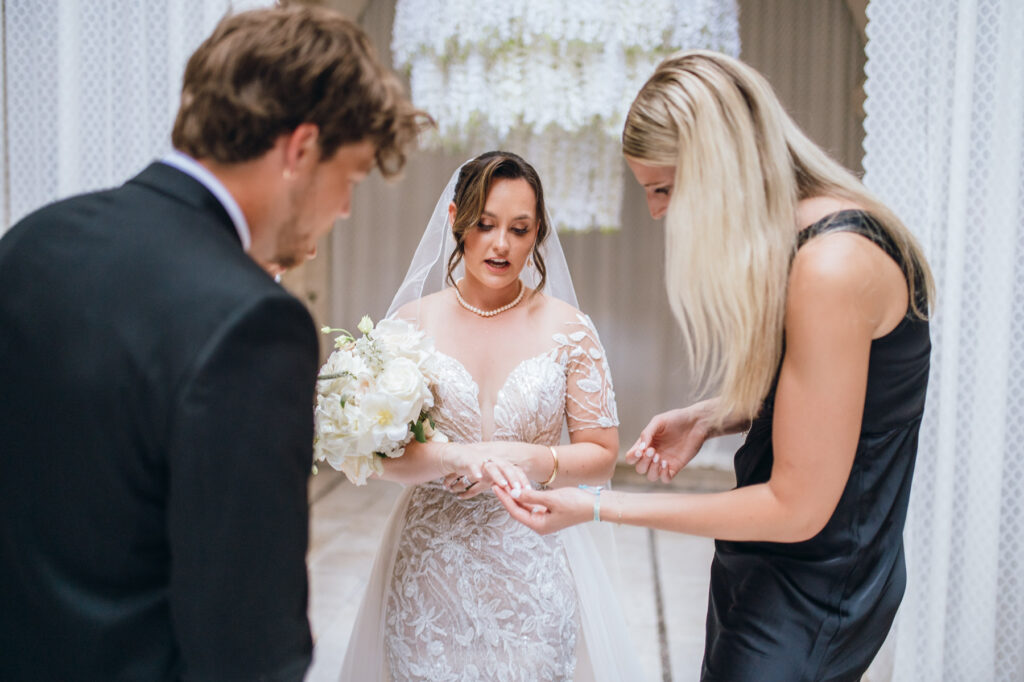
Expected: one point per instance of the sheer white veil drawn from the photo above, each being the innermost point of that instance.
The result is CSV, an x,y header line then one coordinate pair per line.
x,y
429,265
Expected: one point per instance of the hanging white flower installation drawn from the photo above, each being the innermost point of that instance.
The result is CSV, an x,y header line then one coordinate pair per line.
x,y
550,80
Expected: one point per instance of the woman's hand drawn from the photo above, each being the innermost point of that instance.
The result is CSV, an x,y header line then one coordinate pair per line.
x,y
671,440
474,468
550,510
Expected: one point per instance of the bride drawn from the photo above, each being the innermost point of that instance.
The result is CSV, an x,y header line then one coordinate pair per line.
x,y
459,590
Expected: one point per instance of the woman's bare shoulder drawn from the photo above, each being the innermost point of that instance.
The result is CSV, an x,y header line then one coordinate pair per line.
x,y
849,274
554,310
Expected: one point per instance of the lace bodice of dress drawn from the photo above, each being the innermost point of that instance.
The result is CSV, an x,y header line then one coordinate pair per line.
x,y
570,381
474,595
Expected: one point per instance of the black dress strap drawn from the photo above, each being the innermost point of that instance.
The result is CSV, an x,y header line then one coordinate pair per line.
x,y
857,221
866,225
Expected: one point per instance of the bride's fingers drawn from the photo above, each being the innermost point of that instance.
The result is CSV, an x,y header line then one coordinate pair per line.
x,y
512,506
518,479
490,474
492,469
460,485
531,515
533,500
475,488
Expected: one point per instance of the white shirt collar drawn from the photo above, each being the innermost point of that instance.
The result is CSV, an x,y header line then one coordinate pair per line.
x,y
186,164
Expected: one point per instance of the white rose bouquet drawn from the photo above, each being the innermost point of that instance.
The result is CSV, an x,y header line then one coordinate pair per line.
x,y
372,397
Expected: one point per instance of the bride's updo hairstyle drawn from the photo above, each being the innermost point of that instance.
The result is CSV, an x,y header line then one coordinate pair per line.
x,y
471,190
730,232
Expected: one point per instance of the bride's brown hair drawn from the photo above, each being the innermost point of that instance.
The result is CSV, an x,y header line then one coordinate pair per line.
x,y
471,190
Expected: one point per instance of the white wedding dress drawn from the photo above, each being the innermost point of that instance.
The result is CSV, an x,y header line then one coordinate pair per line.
x,y
459,590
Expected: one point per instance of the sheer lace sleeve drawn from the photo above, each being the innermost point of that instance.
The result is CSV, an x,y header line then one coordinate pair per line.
x,y
589,396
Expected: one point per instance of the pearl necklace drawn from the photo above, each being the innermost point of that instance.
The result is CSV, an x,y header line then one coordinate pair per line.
x,y
490,313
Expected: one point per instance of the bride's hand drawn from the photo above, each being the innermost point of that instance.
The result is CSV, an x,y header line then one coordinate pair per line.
x,y
477,467
670,441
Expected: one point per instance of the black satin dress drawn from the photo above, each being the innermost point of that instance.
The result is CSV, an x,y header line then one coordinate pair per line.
x,y
820,609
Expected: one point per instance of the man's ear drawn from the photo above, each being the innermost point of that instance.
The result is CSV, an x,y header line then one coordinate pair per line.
x,y
301,148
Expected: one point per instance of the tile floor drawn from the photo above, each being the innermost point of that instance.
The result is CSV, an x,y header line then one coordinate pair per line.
x,y
664,575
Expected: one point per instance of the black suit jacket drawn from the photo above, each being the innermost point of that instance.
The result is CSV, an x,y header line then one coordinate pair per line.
x,y
155,443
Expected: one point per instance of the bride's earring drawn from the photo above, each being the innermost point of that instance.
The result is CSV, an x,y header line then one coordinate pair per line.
x,y
529,261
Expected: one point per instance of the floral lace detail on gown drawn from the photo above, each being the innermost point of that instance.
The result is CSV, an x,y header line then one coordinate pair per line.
x,y
474,595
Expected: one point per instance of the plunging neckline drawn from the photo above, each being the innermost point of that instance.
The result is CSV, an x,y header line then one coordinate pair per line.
x,y
501,388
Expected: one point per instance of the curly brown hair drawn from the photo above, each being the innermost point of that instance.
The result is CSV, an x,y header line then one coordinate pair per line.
x,y
471,190
264,72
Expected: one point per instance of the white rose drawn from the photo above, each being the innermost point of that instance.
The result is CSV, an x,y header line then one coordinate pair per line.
x,y
401,339
404,384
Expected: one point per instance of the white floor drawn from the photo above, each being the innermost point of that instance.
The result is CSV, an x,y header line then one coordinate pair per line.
x,y
346,522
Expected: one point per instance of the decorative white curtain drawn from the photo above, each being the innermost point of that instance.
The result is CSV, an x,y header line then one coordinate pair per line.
x,y
945,148
550,80
90,89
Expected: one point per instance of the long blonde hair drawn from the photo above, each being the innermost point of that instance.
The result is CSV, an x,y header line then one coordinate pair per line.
x,y
741,166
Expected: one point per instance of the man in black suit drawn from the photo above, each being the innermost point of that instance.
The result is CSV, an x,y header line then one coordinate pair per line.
x,y
156,430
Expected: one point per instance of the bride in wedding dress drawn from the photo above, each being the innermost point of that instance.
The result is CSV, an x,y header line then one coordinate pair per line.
x,y
459,590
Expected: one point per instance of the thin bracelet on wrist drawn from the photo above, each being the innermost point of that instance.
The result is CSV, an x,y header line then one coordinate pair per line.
x,y
554,467
596,490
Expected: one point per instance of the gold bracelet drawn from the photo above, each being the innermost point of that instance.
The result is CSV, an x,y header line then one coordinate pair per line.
x,y
554,469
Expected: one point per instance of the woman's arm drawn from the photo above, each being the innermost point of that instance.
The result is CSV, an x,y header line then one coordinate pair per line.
x,y
837,303
589,458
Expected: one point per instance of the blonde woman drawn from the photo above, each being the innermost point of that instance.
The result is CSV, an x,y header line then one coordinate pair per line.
x,y
804,303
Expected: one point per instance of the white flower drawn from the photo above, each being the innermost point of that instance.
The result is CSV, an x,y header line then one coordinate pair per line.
x,y
387,422
370,393
400,338
406,388
358,469
347,370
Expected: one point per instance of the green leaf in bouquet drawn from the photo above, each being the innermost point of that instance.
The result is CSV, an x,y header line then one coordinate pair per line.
x,y
417,431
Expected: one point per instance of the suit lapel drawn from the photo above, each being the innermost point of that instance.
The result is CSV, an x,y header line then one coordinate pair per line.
x,y
186,189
